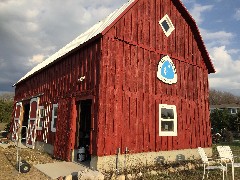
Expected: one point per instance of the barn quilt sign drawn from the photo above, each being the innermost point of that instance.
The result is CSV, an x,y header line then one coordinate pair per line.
x,y
167,71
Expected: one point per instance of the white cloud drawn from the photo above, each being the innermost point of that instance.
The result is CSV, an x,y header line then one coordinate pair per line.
x,y
32,26
217,38
36,59
227,76
33,13
197,11
237,15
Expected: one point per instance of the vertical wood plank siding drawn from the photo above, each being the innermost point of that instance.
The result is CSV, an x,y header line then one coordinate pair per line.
x,y
121,76
59,83
130,91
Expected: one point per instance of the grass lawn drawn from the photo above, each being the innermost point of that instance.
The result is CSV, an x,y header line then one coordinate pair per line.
x,y
182,172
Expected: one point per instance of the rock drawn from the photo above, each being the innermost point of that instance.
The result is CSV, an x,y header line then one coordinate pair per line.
x,y
98,176
129,177
171,169
153,172
181,168
121,177
90,175
139,174
190,166
69,177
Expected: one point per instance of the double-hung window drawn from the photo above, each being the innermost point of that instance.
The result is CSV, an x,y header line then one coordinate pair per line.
x,y
167,120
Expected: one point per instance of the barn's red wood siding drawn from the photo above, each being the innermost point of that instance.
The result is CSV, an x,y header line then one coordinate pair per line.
x,y
59,84
130,91
121,78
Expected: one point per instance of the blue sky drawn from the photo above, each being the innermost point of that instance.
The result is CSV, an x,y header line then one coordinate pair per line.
x,y
31,31
219,24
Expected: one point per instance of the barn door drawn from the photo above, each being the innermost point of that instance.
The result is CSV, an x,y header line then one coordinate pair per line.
x,y
32,122
16,123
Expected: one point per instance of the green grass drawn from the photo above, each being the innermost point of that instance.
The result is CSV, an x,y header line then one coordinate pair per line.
x,y
187,174
2,126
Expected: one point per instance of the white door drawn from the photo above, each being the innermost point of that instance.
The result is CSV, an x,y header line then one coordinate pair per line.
x,y
16,123
32,123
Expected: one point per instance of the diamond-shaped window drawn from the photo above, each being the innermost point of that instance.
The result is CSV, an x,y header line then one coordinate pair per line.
x,y
166,25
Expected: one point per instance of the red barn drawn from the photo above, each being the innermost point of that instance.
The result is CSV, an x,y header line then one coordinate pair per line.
x,y
135,84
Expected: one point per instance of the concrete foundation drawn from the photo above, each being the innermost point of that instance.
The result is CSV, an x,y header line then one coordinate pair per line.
x,y
48,148
123,161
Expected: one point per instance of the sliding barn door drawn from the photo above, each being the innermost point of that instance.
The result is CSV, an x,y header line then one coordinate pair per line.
x,y
16,123
32,123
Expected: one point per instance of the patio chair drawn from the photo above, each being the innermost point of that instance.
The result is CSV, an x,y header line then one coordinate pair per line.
x,y
227,157
207,161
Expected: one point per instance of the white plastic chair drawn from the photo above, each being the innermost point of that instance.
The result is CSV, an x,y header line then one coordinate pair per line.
x,y
227,157
207,161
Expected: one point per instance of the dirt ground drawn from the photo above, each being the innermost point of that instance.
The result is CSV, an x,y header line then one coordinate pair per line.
x,y
8,164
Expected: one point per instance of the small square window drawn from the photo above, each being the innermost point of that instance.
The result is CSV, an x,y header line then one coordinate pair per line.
x,y
166,25
167,120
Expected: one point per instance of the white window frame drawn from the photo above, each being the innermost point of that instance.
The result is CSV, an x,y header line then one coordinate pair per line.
x,y
170,24
234,109
53,129
40,117
168,133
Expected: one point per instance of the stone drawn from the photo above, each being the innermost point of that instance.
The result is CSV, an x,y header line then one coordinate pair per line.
x,y
85,176
171,169
114,177
139,174
98,175
68,177
190,166
121,177
153,172
181,168
129,177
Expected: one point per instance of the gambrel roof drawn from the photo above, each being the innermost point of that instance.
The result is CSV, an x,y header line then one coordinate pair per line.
x,y
103,26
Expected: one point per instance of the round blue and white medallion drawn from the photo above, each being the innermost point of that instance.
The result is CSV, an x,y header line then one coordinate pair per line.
x,y
167,71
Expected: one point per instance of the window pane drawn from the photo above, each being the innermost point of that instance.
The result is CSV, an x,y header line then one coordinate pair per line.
x,y
54,122
167,126
40,122
167,113
42,112
55,111
165,25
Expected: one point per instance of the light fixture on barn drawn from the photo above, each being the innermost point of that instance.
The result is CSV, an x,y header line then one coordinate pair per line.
x,y
81,79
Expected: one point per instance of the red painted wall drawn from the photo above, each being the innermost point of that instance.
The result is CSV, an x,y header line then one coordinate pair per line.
x,y
59,84
121,76
130,91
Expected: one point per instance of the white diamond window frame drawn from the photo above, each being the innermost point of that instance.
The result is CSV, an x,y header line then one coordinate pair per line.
x,y
167,19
